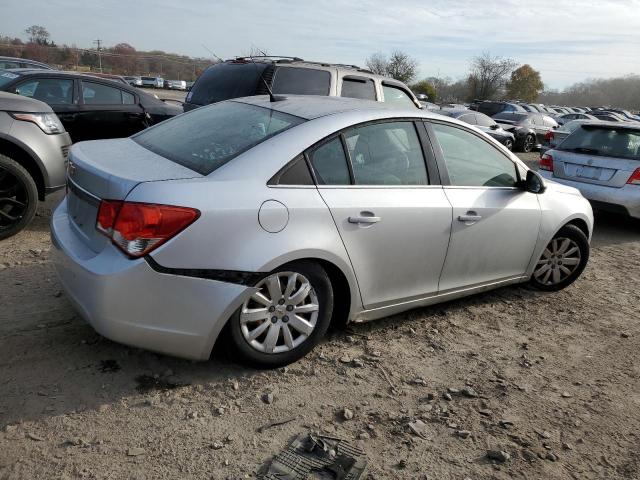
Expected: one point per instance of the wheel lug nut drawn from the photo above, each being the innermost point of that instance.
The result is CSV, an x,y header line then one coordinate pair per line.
x,y
289,308
272,309
285,319
274,319
281,301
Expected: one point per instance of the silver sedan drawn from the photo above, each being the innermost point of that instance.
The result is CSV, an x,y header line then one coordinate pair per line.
x,y
260,222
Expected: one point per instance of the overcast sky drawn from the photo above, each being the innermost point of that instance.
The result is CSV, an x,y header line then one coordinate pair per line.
x,y
567,40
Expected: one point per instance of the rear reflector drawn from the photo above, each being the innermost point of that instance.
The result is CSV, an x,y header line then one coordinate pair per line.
x,y
138,228
546,162
634,179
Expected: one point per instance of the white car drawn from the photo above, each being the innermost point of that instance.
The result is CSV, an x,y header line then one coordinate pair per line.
x,y
265,219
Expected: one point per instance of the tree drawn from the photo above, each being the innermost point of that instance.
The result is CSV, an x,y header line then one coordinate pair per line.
x,y
38,34
425,87
488,76
399,65
525,84
377,63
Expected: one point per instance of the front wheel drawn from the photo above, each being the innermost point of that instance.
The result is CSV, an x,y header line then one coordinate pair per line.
x,y
18,197
509,144
285,318
562,262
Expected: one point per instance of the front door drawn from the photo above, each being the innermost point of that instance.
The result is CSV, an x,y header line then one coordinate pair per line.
x,y
495,222
394,224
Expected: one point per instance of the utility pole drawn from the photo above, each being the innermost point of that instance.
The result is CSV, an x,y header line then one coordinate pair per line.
x,y
98,42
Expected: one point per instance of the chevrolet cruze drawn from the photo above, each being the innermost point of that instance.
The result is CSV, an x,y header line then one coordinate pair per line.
x,y
260,222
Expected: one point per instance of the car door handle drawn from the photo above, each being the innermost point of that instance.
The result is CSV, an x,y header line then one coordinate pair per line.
x,y
365,218
470,217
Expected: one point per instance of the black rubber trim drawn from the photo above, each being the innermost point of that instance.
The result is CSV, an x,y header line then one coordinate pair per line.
x,y
228,276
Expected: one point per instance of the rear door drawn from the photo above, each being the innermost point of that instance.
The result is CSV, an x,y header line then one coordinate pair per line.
x,y
107,111
394,223
495,223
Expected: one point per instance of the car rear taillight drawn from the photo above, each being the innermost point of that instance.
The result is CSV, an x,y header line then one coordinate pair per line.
x,y
549,136
634,179
138,228
546,162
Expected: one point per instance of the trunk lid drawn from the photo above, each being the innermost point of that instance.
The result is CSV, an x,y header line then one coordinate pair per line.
x,y
110,169
595,169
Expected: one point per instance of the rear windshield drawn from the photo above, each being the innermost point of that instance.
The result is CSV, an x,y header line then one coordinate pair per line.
x,y
225,81
608,142
301,81
6,78
207,138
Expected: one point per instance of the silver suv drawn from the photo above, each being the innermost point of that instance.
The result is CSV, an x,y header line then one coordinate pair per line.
x,y
33,153
249,76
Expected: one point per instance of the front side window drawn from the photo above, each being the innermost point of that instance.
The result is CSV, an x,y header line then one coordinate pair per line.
x,y
396,96
473,162
207,138
54,91
469,118
358,88
330,163
386,154
301,81
98,94
484,121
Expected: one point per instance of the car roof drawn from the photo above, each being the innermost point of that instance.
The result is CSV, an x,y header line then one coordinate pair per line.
x,y
612,125
455,113
310,107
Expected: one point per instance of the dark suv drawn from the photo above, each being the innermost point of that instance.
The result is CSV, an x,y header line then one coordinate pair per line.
x,y
243,77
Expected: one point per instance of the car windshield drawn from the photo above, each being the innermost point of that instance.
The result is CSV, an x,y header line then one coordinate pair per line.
x,y
207,138
7,77
609,142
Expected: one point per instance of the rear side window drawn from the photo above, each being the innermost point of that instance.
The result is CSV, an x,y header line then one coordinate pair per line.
x,y
330,163
301,81
54,91
98,94
386,154
363,88
207,138
225,81
396,96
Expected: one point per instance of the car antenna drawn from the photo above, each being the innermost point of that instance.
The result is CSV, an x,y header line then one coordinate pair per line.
x,y
272,97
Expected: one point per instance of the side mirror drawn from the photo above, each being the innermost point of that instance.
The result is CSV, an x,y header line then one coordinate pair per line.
x,y
534,183
495,126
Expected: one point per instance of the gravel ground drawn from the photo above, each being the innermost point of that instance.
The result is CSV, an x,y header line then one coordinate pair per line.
x,y
554,385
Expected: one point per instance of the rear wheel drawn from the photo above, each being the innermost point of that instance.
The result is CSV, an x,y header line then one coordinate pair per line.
x,y
528,143
285,318
18,197
564,259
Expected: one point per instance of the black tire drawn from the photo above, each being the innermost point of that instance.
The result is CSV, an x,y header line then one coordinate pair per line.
x,y
528,143
509,144
573,233
321,284
18,197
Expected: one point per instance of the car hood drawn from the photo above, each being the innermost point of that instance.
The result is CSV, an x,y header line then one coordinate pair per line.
x,y
10,102
560,188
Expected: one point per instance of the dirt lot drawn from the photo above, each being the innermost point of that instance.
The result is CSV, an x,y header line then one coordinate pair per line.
x,y
557,378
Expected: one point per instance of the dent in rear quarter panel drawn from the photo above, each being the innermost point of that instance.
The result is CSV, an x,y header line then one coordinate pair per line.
x,y
558,209
228,235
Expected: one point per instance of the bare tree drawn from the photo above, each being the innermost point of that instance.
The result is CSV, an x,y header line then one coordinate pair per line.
x,y
37,34
377,63
488,75
399,65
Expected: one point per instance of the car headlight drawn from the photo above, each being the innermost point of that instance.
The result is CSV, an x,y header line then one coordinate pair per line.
x,y
49,123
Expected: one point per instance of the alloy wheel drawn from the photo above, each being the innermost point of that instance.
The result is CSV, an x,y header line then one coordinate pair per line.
x,y
13,200
558,261
528,143
281,314
509,144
